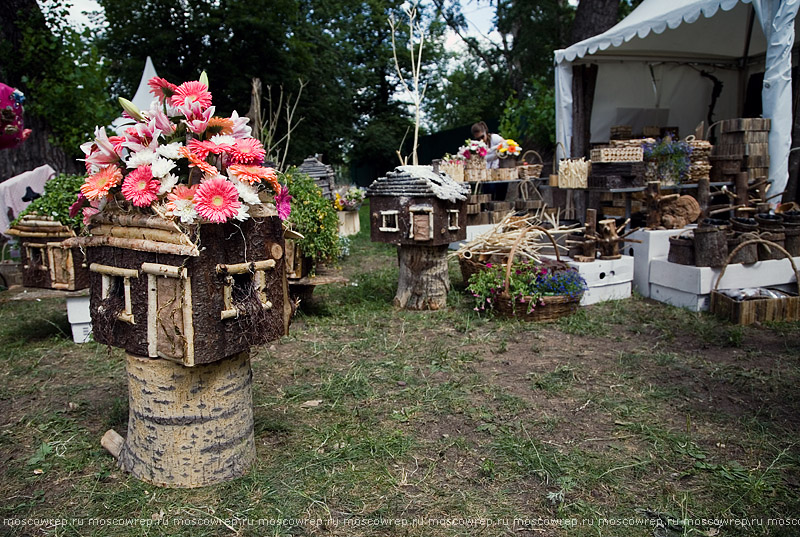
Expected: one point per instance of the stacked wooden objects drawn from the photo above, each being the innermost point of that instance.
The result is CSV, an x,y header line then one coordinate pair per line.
x,y
619,165
743,146
47,262
700,165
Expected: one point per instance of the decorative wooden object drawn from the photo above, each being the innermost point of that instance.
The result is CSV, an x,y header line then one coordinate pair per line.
x,y
47,262
672,211
322,174
421,211
188,426
603,236
194,295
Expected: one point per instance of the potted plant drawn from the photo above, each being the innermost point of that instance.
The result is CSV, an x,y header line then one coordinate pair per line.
x,y
528,290
349,198
315,218
508,148
474,152
667,161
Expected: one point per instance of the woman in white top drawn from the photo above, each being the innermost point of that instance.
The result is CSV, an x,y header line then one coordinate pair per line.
x,y
480,131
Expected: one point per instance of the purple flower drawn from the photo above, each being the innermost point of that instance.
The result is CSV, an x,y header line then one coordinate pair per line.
x,y
283,203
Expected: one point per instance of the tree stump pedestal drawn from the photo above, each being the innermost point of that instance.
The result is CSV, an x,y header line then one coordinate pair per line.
x,y
424,278
187,426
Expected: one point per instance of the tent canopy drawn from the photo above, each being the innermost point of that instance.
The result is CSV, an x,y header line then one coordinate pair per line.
x,y
659,66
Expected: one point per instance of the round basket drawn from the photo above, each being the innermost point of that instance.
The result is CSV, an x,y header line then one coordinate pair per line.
x,y
550,308
530,171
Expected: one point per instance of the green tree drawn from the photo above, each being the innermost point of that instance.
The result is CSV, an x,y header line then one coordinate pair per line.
x,y
64,80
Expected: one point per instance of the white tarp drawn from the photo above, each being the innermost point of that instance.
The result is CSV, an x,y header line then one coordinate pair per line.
x,y
142,98
650,65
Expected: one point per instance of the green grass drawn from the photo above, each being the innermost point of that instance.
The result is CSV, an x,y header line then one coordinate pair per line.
x,y
366,413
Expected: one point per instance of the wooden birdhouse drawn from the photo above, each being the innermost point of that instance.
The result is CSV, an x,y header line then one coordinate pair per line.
x,y
47,261
415,205
322,174
192,294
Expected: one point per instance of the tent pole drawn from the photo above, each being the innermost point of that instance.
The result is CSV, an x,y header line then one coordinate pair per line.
x,y
742,94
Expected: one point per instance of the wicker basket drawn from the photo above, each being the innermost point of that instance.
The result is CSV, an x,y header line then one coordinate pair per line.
x,y
502,174
530,171
745,312
617,154
475,169
454,169
550,308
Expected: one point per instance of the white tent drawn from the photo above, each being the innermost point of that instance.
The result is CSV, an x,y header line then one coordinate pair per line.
x,y
143,97
650,67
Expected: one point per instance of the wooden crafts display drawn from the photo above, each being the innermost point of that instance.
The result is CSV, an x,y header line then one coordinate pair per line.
x,y
421,211
47,262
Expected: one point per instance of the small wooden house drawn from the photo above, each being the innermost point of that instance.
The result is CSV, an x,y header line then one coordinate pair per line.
x,y
193,295
415,205
322,174
47,261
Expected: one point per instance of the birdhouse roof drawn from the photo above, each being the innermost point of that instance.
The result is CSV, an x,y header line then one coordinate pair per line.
x,y
418,182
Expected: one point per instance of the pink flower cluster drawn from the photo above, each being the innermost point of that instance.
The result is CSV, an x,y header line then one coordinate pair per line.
x,y
179,158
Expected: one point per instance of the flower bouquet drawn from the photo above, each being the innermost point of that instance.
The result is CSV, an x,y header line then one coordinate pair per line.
x,y
508,148
667,161
180,161
349,198
453,166
527,290
473,152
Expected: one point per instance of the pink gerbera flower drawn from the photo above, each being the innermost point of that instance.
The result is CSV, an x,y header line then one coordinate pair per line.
x,y
191,92
140,188
283,203
98,184
217,200
161,88
248,151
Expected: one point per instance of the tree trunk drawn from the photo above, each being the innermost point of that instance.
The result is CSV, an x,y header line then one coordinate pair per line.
x,y
424,279
188,426
593,17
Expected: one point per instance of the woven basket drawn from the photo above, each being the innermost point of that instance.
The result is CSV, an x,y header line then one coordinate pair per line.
x,y
454,170
550,308
475,169
530,171
617,154
502,174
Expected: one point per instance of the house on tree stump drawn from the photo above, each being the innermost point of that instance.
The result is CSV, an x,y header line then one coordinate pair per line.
x,y
322,174
191,294
417,205
47,261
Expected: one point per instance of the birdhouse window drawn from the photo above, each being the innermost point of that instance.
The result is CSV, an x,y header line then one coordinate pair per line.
x,y
36,256
421,222
389,221
452,220
241,281
116,283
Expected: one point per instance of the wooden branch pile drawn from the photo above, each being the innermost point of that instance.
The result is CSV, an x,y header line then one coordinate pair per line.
x,y
573,173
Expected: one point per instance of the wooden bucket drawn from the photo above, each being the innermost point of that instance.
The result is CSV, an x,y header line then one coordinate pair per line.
x,y
746,255
766,250
710,246
681,249
792,239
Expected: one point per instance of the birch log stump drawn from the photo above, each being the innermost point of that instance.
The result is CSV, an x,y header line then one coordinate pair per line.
x,y
424,279
187,426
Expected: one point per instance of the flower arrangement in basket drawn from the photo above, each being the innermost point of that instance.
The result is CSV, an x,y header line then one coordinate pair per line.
x,y
667,161
474,152
508,148
349,198
453,166
180,161
528,290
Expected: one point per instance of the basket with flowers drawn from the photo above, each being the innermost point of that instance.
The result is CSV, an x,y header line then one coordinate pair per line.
x,y
528,290
474,153
349,198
